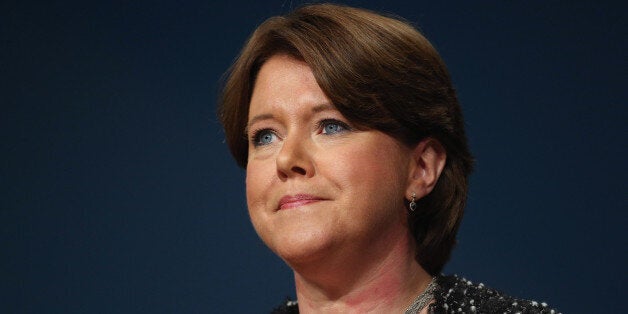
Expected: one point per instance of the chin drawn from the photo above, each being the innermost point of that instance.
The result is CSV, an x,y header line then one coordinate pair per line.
x,y
297,248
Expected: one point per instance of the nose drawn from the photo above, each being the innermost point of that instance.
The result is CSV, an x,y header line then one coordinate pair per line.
x,y
295,158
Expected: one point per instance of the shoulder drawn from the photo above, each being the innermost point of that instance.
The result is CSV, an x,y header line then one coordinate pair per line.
x,y
288,307
456,294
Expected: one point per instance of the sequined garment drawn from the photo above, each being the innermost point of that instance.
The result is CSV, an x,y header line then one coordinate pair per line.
x,y
458,295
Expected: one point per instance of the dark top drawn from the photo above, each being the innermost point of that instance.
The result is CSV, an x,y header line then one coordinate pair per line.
x,y
458,295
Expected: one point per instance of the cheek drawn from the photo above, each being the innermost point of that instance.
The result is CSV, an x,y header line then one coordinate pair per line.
x,y
255,192
369,165
253,181
258,181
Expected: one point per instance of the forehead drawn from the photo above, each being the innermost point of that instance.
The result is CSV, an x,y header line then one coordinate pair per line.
x,y
285,81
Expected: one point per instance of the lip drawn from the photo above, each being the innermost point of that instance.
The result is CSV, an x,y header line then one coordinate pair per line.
x,y
293,201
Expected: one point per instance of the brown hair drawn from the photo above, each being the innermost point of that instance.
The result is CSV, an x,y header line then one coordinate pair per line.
x,y
380,73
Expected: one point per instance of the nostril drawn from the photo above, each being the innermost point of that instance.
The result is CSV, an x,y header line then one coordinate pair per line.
x,y
299,170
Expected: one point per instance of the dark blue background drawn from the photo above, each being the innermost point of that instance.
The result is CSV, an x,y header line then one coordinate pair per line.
x,y
118,194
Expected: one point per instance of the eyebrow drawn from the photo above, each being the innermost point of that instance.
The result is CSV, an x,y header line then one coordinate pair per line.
x,y
270,116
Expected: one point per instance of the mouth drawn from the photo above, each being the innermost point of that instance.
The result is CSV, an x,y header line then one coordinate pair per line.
x,y
298,200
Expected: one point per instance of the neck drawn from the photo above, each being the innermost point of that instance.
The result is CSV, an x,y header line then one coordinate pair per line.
x,y
346,284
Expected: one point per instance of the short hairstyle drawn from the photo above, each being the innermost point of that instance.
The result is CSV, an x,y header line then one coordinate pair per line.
x,y
380,73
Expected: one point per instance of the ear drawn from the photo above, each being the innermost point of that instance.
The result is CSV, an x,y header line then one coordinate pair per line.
x,y
428,160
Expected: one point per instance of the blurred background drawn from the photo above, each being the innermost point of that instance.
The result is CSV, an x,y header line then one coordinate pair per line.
x,y
118,194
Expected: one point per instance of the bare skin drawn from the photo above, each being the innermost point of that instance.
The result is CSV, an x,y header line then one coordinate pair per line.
x,y
329,199
386,286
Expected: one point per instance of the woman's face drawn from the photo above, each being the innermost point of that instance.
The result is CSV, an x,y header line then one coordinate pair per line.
x,y
315,185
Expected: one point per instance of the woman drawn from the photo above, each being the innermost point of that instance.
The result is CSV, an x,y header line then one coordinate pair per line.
x,y
356,162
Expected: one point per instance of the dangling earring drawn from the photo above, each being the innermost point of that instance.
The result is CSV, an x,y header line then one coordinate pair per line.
x,y
413,202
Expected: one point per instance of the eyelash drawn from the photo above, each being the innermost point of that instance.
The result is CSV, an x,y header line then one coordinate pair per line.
x,y
325,122
256,135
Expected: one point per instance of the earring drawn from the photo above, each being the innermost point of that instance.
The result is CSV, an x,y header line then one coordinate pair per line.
x,y
413,202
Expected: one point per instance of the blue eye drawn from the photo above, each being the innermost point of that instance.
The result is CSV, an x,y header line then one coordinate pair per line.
x,y
333,127
264,137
